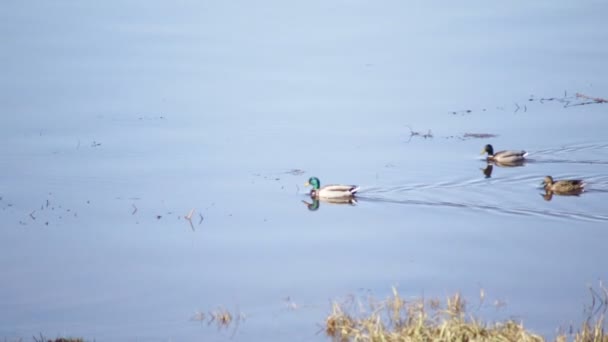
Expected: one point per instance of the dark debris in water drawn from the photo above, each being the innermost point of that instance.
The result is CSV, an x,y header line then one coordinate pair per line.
x,y
295,172
479,135
578,99
221,318
145,118
429,135
463,112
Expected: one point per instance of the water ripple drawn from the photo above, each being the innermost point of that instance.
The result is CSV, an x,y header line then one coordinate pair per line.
x,y
573,148
570,149
492,208
476,191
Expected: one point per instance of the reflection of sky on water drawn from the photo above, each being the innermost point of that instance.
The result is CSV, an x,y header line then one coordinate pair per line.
x,y
165,108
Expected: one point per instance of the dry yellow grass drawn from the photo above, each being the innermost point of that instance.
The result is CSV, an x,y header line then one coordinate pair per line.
x,y
396,319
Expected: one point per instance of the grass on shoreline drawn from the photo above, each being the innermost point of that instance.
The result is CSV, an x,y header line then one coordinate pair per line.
x,y
396,319
58,339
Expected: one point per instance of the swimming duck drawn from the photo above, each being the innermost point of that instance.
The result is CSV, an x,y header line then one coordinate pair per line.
x,y
334,191
563,186
504,157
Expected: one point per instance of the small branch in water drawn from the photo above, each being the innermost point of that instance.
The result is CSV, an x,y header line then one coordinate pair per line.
x,y
413,133
32,215
189,218
296,172
134,209
595,99
202,218
479,135
461,112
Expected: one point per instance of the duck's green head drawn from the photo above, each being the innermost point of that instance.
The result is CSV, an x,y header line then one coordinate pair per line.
x,y
489,149
314,182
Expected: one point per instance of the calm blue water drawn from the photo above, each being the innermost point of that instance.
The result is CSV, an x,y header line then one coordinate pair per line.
x,y
119,119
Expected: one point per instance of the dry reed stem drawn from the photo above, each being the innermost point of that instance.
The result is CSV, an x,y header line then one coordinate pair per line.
x,y
396,319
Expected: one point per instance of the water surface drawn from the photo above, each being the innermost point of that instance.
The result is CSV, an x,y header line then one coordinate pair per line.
x,y
119,119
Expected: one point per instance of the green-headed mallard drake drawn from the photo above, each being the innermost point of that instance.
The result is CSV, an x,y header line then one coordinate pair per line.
x,y
504,157
563,186
334,191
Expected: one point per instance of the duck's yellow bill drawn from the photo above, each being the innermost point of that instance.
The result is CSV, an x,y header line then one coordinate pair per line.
x,y
483,151
306,184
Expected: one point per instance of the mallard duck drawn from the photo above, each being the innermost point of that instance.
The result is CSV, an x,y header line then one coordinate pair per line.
x,y
504,157
334,191
563,186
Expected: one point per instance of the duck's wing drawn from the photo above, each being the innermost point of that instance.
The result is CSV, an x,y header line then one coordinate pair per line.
x,y
569,185
510,154
579,183
338,188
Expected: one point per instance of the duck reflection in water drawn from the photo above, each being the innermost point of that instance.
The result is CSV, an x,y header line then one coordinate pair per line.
x,y
316,202
487,171
548,195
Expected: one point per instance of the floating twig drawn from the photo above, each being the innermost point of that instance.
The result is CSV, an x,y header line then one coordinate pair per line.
x,y
189,218
296,172
595,99
461,112
222,317
479,135
413,133
134,209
